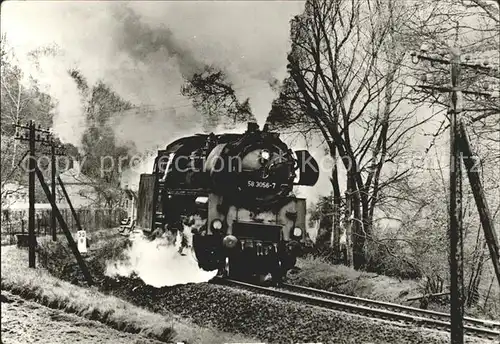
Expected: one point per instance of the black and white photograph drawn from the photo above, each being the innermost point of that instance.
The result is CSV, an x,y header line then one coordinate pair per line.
x,y
250,171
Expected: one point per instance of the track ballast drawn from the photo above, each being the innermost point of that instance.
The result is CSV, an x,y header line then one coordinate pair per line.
x,y
371,308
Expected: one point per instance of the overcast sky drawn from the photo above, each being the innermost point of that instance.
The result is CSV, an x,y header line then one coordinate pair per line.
x,y
144,49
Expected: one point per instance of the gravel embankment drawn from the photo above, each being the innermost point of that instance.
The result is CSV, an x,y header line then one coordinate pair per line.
x,y
269,319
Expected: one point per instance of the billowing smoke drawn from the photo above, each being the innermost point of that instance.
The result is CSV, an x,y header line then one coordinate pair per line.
x,y
145,50
158,263
68,121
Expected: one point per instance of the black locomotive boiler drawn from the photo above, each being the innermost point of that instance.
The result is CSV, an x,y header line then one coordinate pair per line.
x,y
241,187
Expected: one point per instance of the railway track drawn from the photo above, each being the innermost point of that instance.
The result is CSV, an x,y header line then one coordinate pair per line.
x,y
371,308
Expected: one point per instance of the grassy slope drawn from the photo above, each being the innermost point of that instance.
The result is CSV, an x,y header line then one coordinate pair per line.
x,y
317,273
89,303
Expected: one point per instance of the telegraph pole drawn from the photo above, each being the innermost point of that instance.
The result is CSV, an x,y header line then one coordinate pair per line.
x,y
32,135
455,228
53,224
31,193
55,150
457,143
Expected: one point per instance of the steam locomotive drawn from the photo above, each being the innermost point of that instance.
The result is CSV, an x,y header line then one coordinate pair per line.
x,y
241,187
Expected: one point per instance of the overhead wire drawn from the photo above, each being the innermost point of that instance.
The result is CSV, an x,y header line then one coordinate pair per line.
x,y
150,108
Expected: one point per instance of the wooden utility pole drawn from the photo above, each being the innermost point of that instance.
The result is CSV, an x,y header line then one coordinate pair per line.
x,y
54,151
482,206
458,145
455,230
348,226
32,135
53,224
73,212
31,193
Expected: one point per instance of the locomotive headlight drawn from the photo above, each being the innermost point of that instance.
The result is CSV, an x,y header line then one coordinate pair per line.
x,y
265,155
229,241
217,224
297,232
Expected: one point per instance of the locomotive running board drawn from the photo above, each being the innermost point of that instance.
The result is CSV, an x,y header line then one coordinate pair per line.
x,y
187,192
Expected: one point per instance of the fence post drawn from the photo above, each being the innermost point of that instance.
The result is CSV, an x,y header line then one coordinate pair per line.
x,y
22,226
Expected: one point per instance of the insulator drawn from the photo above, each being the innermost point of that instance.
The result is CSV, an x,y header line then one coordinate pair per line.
x,y
38,137
423,77
486,62
424,48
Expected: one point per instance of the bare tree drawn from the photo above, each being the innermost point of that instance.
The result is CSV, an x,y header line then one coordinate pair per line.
x,y
21,100
346,72
472,26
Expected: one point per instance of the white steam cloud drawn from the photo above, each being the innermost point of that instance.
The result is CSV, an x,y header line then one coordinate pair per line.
x,y
145,50
158,263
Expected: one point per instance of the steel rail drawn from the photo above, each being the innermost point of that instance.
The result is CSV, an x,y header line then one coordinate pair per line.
x,y
393,306
372,312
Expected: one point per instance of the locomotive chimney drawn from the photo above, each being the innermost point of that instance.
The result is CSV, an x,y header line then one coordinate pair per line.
x,y
252,127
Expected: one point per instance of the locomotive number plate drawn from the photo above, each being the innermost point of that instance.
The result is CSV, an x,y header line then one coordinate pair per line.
x,y
261,184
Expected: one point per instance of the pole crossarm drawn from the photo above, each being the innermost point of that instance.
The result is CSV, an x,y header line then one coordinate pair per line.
x,y
491,71
452,89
